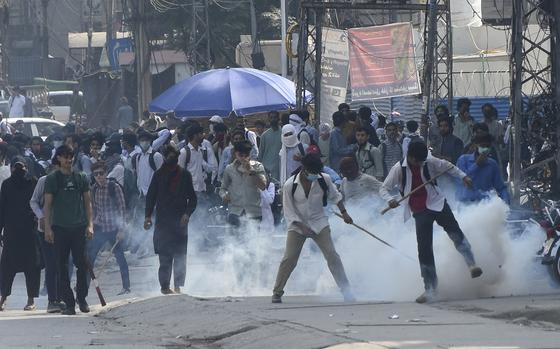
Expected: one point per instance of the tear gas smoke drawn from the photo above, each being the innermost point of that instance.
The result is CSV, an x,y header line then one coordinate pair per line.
x,y
246,265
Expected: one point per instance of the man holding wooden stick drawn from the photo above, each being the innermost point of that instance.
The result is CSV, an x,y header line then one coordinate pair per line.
x,y
415,178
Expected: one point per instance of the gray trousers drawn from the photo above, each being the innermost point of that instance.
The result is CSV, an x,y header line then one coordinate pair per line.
x,y
294,244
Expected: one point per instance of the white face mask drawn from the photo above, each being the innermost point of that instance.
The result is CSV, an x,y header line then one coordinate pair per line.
x,y
290,141
145,145
57,144
212,128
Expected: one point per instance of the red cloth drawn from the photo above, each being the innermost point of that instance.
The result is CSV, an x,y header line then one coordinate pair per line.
x,y
417,201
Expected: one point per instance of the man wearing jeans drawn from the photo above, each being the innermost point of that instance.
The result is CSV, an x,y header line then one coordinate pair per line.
x,y
427,205
68,223
108,220
305,195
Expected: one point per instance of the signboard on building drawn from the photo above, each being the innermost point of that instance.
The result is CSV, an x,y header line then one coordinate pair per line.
x,y
115,47
382,62
334,70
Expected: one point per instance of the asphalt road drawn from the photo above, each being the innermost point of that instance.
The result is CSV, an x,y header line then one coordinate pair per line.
x,y
145,319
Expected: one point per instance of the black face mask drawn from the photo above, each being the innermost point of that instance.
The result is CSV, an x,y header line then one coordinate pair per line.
x,y
171,160
19,172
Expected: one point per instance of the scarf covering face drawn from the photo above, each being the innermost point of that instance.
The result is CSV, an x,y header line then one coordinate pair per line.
x,y
287,142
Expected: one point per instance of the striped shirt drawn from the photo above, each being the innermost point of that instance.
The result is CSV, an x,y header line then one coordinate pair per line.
x,y
108,207
392,153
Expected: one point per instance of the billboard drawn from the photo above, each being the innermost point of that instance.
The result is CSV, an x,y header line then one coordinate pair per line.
x,y
334,70
382,62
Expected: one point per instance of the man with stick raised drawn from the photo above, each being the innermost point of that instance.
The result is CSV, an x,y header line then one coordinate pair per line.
x,y
423,199
305,195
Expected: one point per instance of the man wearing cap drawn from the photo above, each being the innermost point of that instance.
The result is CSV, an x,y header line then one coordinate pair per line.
x,y
68,223
19,236
214,120
16,102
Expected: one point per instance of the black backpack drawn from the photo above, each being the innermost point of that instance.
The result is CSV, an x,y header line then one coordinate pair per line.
x,y
311,140
424,171
322,184
151,160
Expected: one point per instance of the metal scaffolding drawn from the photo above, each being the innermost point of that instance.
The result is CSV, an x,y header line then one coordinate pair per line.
x,y
199,41
535,91
311,21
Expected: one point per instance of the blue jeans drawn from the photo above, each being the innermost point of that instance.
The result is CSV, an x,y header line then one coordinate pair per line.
x,y
99,239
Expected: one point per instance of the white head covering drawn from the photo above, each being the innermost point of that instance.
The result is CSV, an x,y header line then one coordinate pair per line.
x,y
287,142
297,122
324,128
216,119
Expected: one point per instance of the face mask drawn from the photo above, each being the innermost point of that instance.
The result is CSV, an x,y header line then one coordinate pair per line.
x,y
312,177
145,145
290,141
171,160
57,144
211,128
18,172
483,150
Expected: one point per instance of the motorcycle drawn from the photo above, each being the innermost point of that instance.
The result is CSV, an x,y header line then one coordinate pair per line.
x,y
549,254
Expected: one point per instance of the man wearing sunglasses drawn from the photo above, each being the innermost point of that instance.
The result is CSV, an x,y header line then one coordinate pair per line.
x,y
108,220
68,223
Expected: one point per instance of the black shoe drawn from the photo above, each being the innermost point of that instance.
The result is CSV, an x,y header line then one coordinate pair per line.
x,y
167,291
69,311
475,272
53,307
276,299
84,307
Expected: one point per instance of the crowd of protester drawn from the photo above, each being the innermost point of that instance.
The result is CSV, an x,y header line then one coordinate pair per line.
x,y
86,188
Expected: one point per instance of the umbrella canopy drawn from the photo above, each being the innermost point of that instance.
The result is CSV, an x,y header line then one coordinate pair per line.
x,y
222,91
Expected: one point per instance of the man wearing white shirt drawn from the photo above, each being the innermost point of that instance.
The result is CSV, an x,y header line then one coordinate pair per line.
x,y
5,128
427,204
304,197
16,104
198,159
146,163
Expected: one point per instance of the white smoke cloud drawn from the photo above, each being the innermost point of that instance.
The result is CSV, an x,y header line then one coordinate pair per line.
x,y
247,266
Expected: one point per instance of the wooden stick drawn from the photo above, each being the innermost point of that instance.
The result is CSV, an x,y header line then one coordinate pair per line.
x,y
375,237
387,209
99,273
96,284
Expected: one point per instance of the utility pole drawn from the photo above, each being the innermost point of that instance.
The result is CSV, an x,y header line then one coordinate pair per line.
x,y
110,35
516,70
555,78
90,36
141,57
199,41
283,52
429,60
45,30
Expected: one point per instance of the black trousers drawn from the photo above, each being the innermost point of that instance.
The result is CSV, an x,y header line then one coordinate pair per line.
x,y
66,241
424,236
51,269
32,282
176,263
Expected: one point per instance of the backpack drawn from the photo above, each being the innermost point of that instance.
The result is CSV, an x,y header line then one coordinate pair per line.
x,y
322,184
311,140
151,160
60,181
424,171
188,155
370,158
